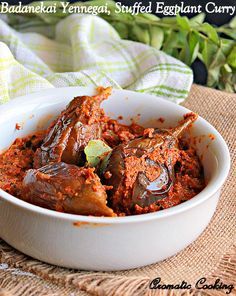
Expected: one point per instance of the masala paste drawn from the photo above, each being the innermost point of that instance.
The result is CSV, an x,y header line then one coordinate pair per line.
x,y
146,170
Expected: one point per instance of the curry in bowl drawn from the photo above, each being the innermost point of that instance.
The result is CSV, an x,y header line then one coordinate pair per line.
x,y
86,163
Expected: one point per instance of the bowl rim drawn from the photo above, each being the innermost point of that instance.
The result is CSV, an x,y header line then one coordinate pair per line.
x,y
205,194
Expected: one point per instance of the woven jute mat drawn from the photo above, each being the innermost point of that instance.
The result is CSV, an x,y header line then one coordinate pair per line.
x,y
212,255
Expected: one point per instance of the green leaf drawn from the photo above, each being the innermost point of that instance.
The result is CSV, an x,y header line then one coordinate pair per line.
x,y
156,37
229,32
181,37
214,70
227,45
213,77
140,34
219,59
169,20
170,43
185,54
208,52
183,22
210,32
227,81
175,53
232,23
104,162
193,40
229,87
148,16
122,29
190,48
226,69
95,151
197,19
231,59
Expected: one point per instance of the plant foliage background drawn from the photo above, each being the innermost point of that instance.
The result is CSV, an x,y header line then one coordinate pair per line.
x,y
185,39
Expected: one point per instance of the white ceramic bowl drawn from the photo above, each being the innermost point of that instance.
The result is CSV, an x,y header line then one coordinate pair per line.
x,y
98,243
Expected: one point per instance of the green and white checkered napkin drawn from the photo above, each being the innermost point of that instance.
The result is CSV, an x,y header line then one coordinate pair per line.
x,y
85,50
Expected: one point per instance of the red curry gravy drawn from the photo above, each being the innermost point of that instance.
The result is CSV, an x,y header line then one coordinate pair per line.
x,y
147,170
189,177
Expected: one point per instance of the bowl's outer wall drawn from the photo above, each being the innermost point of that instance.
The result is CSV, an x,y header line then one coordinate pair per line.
x,y
109,246
102,247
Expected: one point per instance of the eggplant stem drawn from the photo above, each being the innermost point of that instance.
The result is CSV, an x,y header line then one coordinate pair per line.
x,y
184,124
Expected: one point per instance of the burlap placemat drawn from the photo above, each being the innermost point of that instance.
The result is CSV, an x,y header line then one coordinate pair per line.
x,y
212,255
